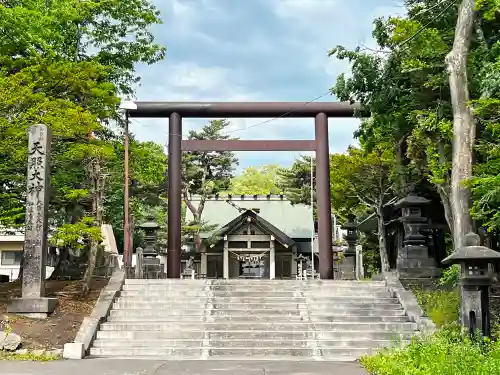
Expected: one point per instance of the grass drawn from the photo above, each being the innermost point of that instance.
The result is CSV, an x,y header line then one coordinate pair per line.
x,y
447,352
30,356
442,306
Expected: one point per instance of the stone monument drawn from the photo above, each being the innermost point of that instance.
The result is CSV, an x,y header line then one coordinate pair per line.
x,y
33,303
413,261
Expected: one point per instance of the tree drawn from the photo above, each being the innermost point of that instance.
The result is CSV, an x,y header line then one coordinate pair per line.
x,y
295,181
406,87
261,181
206,173
361,178
65,65
464,126
148,166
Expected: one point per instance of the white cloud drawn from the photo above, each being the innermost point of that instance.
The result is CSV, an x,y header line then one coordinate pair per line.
x,y
310,29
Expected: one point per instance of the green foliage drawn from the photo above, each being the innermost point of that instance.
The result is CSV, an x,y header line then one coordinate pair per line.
x,y
490,8
66,66
76,235
361,179
450,276
208,172
442,306
371,258
295,181
447,352
261,181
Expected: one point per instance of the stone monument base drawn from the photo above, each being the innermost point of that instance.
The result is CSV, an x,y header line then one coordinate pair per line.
x,y
37,308
414,262
348,268
152,269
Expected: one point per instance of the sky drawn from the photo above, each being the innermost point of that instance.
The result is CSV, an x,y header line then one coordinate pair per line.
x,y
256,50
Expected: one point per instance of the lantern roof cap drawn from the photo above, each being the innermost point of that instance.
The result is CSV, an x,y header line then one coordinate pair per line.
x,y
350,224
472,250
411,200
149,224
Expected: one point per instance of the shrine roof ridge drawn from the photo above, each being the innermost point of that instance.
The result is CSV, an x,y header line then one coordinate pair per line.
x,y
242,197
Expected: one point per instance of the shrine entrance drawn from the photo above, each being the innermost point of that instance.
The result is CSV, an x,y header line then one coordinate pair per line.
x,y
250,265
175,111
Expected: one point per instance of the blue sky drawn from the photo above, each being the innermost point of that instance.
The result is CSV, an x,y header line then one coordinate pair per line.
x,y
256,50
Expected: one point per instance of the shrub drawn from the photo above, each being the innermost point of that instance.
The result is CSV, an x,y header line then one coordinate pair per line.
x,y
447,352
450,276
442,306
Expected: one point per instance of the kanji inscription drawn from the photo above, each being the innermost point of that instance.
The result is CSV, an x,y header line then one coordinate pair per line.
x,y
37,197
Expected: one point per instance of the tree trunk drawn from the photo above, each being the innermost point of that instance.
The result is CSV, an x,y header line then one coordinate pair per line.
x,y
382,241
464,130
196,211
445,200
62,264
21,268
401,185
98,206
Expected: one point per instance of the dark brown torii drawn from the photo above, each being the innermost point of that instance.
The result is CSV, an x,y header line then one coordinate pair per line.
x,y
175,111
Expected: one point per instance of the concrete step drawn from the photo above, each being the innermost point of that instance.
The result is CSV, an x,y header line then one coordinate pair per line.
x,y
249,288
316,307
283,318
259,282
253,294
223,352
177,343
147,335
152,313
283,335
258,300
245,343
256,359
270,326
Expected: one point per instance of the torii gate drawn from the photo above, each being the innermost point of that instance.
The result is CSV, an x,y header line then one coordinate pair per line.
x,y
175,111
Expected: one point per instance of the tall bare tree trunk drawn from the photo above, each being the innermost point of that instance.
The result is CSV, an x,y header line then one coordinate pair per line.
x,y
382,241
97,178
464,129
444,194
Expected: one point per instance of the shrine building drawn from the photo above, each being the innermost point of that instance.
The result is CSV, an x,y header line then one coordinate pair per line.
x,y
256,236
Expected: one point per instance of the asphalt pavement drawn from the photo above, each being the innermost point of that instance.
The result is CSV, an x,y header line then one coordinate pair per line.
x,y
153,367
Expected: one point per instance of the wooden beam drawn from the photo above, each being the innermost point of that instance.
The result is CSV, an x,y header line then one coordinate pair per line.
x,y
247,145
244,109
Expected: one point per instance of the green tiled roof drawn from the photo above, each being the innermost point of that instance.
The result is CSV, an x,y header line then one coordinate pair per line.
x,y
296,221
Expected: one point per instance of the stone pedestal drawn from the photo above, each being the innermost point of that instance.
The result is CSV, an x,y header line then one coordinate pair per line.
x,y
33,303
360,271
414,262
152,269
36,308
348,268
471,309
204,265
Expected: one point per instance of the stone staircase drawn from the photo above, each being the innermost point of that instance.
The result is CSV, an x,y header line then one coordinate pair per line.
x,y
251,319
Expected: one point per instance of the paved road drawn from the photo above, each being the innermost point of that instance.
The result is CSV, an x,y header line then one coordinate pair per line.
x,y
148,367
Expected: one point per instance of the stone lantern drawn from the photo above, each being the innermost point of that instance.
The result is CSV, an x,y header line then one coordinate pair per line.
x,y
348,265
150,229
413,259
351,237
475,282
